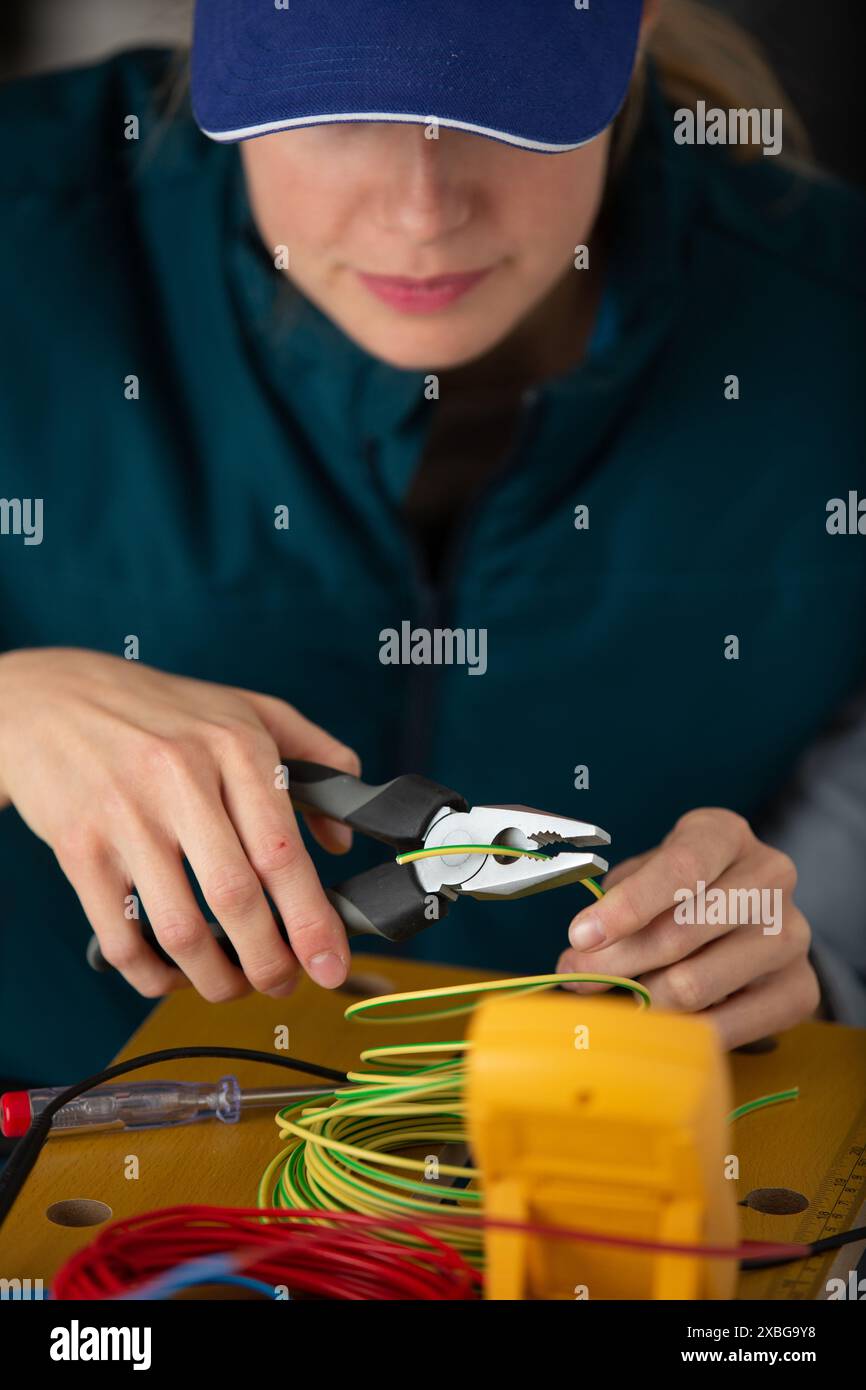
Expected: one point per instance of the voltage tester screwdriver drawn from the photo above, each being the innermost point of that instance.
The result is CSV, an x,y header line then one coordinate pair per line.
x,y
147,1105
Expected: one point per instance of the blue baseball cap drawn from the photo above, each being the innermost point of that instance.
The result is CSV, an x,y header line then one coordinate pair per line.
x,y
544,75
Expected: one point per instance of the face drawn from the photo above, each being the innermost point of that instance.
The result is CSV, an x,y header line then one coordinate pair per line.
x,y
428,252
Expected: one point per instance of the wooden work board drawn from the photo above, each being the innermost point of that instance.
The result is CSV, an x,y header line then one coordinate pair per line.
x,y
813,1146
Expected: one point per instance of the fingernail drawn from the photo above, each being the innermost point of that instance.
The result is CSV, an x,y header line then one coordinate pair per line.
x,y
327,969
586,934
341,756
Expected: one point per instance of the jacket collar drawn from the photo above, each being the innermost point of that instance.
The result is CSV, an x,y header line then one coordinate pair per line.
x,y
328,378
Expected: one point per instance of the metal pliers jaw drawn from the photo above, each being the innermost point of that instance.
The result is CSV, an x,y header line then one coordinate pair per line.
x,y
413,814
395,901
516,827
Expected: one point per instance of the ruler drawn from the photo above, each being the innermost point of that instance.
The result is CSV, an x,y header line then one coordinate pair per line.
x,y
838,1205
815,1146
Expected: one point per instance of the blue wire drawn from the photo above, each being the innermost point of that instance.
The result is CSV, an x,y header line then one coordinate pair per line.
x,y
246,1283
211,1269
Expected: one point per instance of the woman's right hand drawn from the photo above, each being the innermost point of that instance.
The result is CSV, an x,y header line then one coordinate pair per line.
x,y
125,771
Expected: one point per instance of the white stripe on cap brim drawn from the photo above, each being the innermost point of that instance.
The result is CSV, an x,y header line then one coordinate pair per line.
x,y
270,127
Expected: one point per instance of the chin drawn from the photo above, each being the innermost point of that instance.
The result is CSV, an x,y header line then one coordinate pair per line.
x,y
427,346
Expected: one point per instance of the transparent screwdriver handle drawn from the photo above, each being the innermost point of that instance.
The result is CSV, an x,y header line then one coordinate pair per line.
x,y
144,1105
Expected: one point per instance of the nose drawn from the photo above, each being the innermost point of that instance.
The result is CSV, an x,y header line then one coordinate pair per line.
x,y
422,196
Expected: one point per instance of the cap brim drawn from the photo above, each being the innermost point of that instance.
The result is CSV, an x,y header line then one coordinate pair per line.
x,y
545,81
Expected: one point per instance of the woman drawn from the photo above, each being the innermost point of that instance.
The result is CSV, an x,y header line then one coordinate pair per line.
x,y
442,326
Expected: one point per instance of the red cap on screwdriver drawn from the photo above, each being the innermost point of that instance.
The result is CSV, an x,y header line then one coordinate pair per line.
x,y
15,1114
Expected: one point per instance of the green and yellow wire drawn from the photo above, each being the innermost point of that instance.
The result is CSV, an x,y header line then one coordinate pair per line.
x,y
527,984
347,1151
500,851
777,1098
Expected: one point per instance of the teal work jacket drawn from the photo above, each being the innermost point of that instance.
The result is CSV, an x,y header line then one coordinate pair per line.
x,y
607,645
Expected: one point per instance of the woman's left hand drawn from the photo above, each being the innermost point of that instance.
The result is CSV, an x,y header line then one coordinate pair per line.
x,y
750,976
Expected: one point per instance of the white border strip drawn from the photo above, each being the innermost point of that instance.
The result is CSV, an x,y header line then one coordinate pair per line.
x,y
248,132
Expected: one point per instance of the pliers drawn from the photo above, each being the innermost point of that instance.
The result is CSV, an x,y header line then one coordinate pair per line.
x,y
421,819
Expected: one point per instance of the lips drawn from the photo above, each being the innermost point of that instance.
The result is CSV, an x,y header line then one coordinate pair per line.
x,y
422,296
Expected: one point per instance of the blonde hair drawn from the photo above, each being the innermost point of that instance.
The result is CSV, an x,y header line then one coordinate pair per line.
x,y
700,54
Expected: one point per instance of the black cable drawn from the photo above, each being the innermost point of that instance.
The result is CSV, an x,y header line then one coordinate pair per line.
x,y
817,1247
28,1149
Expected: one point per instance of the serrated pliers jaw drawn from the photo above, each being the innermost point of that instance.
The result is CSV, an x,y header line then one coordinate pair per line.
x,y
516,827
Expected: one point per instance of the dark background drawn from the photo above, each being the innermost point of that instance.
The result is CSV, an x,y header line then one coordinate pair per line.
x,y
815,45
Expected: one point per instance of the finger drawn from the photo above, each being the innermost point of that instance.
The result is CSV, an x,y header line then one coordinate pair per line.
x,y
567,965
758,886
268,831
621,871
233,890
298,737
332,835
701,847
727,965
177,922
200,828
770,1005
104,890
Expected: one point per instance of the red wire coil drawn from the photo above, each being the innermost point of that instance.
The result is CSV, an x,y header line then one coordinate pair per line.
x,y
339,1255
342,1259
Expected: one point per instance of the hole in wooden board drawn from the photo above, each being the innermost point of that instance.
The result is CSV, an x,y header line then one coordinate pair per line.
x,y
79,1211
366,986
775,1201
759,1045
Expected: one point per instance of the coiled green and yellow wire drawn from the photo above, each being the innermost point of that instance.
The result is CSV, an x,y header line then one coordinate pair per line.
x,y
348,1151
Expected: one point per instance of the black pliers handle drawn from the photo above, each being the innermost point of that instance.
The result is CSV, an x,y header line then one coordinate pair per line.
x,y
386,901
